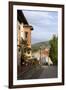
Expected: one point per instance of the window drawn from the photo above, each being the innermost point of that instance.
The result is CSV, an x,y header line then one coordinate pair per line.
x,y
26,33
24,50
18,49
28,52
19,27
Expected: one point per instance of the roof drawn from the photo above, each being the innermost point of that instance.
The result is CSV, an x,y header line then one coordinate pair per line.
x,y
46,49
28,26
20,17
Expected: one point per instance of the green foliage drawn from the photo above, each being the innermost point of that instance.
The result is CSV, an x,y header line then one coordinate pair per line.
x,y
54,49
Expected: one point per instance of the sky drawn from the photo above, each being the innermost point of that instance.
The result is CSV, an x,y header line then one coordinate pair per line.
x,y
45,24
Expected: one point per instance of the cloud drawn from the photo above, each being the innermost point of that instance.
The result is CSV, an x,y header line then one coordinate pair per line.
x,y
45,24
44,16
41,36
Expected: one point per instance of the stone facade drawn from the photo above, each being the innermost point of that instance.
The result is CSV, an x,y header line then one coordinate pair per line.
x,y
24,33
45,56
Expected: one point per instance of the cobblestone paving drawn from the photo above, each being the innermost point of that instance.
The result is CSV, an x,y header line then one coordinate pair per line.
x,y
37,72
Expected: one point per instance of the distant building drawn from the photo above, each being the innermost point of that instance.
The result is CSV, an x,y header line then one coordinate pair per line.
x,y
42,55
45,56
23,35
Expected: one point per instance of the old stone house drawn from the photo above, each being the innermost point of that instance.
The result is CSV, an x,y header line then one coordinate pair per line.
x,y
23,35
45,56
42,56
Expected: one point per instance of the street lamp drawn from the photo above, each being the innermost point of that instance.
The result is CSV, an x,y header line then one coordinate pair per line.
x,y
40,54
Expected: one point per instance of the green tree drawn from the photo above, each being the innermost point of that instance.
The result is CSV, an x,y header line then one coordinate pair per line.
x,y
54,49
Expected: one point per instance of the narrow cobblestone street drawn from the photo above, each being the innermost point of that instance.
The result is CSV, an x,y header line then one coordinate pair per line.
x,y
37,72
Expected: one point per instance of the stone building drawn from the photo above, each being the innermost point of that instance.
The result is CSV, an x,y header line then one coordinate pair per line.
x,y
23,35
45,56
42,55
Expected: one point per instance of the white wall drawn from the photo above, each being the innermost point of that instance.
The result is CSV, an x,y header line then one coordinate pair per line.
x,y
4,45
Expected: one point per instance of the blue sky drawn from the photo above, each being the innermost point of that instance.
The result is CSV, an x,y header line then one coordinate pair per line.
x,y
45,24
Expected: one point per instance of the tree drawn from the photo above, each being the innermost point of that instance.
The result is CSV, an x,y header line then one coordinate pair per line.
x,y
54,49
